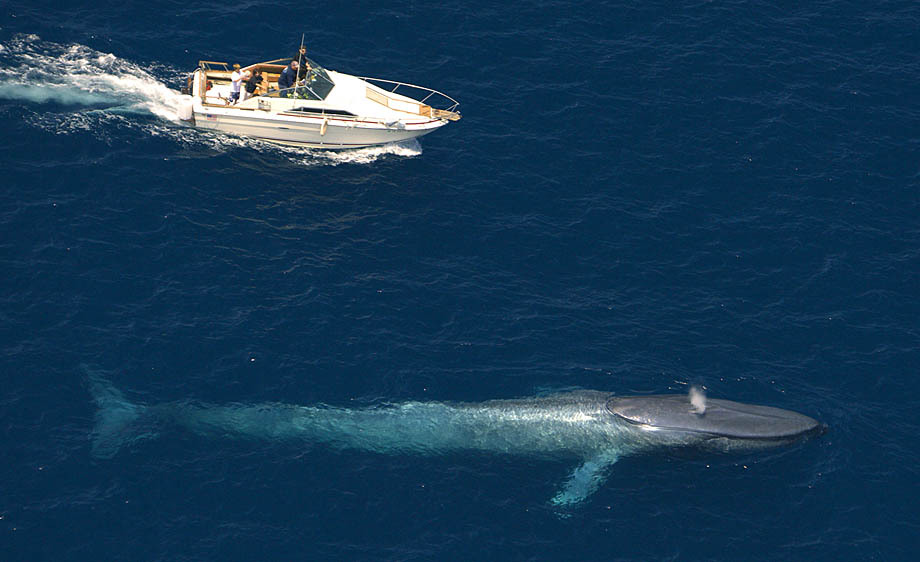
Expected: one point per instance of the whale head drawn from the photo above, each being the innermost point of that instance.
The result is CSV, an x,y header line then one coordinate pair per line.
x,y
720,423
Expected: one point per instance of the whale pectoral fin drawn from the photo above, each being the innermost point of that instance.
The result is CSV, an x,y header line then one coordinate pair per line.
x,y
585,480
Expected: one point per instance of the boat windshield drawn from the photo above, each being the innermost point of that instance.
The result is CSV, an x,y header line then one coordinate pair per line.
x,y
315,85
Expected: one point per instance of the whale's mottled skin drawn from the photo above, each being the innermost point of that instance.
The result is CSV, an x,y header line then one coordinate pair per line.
x,y
593,428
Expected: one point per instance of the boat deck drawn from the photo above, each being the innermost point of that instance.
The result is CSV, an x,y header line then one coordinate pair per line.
x,y
219,79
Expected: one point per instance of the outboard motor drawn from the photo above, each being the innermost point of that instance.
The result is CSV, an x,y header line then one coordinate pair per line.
x,y
186,111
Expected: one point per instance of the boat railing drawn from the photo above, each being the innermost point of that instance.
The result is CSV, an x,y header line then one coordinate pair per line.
x,y
431,102
278,62
207,65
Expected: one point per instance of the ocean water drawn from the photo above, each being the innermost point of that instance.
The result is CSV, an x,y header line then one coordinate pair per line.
x,y
639,198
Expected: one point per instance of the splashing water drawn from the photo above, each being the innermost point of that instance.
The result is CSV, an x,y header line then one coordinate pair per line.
x,y
102,90
697,400
39,72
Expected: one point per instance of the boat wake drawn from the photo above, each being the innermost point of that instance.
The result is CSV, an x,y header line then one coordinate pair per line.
x,y
79,89
222,142
42,72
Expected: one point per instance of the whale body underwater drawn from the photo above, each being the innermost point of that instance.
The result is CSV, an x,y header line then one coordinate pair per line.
x,y
592,428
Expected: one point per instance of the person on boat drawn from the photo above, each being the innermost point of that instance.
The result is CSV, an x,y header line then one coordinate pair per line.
x,y
245,94
288,76
236,82
253,83
301,59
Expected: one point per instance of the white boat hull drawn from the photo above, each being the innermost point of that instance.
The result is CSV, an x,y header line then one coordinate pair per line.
x,y
313,132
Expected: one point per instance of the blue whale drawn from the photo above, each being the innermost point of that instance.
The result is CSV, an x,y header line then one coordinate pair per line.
x,y
592,428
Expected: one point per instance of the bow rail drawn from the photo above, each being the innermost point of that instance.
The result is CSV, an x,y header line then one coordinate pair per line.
x,y
429,102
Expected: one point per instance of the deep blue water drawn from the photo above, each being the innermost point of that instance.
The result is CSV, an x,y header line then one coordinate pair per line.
x,y
639,197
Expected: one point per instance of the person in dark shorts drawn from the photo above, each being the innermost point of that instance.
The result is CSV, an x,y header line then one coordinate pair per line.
x,y
254,82
253,79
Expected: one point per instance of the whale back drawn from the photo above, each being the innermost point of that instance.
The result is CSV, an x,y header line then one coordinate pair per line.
x,y
720,418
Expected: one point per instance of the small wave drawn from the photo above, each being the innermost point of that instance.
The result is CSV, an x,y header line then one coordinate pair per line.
x,y
106,88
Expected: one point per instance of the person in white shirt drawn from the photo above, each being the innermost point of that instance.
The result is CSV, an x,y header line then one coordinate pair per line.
x,y
236,81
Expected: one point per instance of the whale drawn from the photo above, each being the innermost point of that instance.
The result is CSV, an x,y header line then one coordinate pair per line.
x,y
593,429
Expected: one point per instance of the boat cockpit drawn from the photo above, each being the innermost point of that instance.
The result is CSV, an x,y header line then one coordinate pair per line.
x,y
314,85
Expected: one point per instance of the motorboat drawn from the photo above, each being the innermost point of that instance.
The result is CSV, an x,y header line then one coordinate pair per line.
x,y
324,108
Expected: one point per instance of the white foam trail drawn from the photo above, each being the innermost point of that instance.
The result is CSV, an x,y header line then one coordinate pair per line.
x,y
105,88
40,72
51,93
406,149
697,400
309,157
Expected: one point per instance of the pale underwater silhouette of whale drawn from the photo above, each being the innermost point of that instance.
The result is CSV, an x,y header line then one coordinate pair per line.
x,y
593,428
